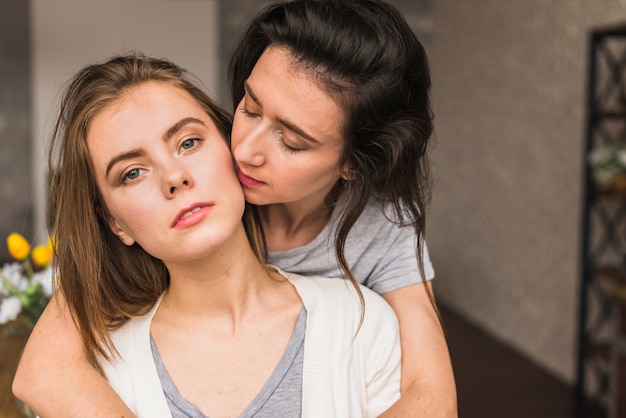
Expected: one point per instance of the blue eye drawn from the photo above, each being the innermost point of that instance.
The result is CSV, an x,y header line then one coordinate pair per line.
x,y
131,174
188,143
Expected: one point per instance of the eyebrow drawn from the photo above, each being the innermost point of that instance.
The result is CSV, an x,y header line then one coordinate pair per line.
x,y
291,126
180,125
166,137
122,157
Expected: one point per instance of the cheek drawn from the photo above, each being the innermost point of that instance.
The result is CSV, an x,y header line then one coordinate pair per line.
x,y
237,132
135,204
220,172
228,188
318,169
130,214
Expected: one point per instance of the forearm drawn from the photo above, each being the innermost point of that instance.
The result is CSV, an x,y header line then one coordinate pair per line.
x,y
54,376
428,387
422,400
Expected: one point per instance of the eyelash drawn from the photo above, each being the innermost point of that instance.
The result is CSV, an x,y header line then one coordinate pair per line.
x,y
286,147
281,143
245,112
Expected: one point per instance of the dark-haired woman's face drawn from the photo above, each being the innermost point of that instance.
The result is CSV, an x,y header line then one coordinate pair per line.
x,y
287,134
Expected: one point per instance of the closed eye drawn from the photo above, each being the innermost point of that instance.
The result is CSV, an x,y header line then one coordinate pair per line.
x,y
244,111
286,147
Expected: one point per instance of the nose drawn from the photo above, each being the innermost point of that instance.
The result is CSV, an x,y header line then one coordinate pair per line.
x,y
250,149
174,188
177,178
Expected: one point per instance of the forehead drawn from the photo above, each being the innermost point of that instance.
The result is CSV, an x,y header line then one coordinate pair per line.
x,y
142,118
155,97
294,92
145,108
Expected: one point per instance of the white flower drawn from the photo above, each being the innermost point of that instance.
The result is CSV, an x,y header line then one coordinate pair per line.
x,y
13,272
607,162
10,308
44,277
598,155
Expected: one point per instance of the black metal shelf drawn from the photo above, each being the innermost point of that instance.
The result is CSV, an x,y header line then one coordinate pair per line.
x,y
603,235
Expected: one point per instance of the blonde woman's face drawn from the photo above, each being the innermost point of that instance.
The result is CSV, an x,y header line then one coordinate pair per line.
x,y
287,135
165,173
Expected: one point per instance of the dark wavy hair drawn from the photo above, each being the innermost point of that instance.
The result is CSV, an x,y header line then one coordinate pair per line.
x,y
104,281
368,59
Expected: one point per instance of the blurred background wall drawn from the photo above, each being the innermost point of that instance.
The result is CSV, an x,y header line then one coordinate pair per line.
x,y
509,83
16,212
509,94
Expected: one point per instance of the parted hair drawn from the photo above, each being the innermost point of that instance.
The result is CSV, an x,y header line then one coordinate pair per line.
x,y
364,54
104,281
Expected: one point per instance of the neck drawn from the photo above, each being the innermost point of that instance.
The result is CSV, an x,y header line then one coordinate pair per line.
x,y
227,282
291,225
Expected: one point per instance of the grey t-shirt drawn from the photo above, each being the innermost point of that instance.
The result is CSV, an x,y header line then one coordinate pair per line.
x,y
380,253
280,397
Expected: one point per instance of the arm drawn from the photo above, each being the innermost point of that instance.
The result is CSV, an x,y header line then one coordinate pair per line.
x,y
54,376
428,387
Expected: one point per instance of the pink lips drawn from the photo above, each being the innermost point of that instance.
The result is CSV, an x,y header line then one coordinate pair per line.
x,y
248,181
192,215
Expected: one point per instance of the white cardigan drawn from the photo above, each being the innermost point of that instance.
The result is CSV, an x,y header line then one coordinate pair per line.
x,y
342,376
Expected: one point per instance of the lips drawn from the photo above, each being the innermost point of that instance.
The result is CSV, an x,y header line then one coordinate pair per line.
x,y
191,215
248,181
186,214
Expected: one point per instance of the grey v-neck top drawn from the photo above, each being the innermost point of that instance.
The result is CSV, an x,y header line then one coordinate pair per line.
x,y
280,397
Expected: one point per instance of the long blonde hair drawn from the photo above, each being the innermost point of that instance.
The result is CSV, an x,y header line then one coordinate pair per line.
x,y
105,282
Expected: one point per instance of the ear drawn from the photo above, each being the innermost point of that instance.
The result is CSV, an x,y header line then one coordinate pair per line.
x,y
118,230
347,173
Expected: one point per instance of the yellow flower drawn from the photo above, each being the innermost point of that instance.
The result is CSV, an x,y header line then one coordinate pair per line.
x,y
42,254
19,248
51,243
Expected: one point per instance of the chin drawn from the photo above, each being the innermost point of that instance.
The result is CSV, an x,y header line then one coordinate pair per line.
x,y
254,199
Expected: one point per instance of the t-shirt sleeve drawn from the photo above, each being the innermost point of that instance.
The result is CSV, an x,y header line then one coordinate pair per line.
x,y
394,259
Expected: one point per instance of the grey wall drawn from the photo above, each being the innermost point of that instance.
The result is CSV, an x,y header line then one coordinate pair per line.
x,y
509,92
234,17
15,150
